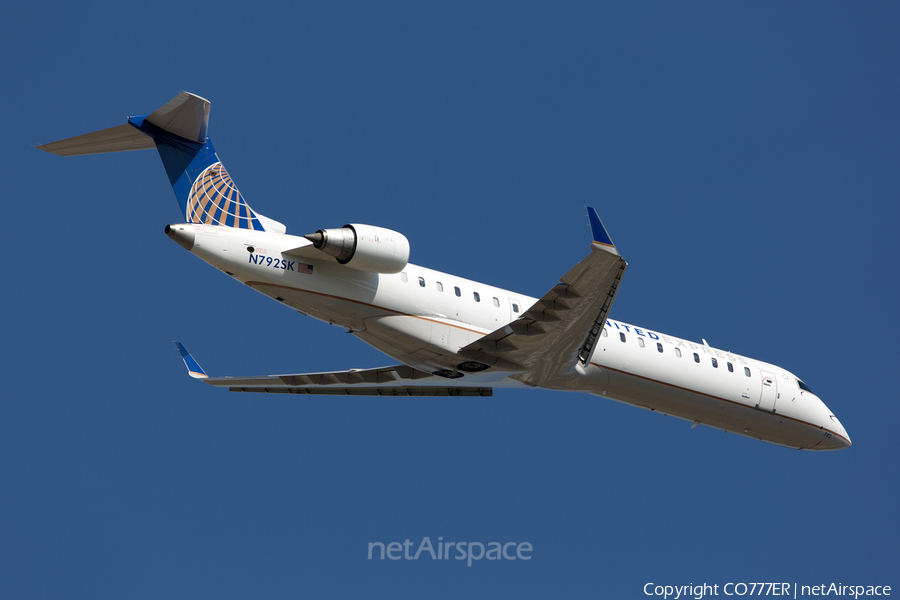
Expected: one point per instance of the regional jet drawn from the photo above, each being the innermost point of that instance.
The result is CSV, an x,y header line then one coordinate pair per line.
x,y
452,336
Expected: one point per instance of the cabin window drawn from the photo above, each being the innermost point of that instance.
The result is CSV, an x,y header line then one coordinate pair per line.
x,y
421,282
477,297
659,347
696,357
440,286
604,333
730,368
515,307
678,352
456,289
641,342
715,363
496,303
403,277
747,371
621,336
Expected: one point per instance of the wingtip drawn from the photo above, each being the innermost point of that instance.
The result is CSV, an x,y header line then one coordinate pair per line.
x,y
599,231
193,367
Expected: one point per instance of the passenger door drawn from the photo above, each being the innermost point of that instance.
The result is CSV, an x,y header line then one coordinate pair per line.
x,y
769,393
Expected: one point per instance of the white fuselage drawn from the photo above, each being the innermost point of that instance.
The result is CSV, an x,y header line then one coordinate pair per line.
x,y
422,318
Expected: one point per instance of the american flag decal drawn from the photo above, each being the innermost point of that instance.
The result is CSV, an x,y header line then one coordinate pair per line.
x,y
306,269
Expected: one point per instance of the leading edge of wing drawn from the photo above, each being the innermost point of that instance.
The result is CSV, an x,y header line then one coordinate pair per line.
x,y
398,380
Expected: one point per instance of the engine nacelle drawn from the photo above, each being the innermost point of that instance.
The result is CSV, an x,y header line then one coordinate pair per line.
x,y
364,247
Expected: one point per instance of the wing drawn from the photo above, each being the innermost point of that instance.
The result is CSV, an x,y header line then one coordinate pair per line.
x,y
399,380
562,327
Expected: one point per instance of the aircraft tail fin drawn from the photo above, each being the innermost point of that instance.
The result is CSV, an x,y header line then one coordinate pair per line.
x,y
178,130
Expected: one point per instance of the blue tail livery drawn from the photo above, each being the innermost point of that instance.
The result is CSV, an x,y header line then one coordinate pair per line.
x,y
178,131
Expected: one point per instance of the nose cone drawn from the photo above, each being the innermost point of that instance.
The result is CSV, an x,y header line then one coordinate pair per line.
x,y
842,437
833,442
182,234
834,436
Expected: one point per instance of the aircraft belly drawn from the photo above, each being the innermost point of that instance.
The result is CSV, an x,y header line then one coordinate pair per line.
x,y
709,410
591,379
421,342
313,288
403,331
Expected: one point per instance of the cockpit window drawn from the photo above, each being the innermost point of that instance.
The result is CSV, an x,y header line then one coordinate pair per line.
x,y
805,387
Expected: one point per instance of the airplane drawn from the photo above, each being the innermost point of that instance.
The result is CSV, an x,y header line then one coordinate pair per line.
x,y
453,336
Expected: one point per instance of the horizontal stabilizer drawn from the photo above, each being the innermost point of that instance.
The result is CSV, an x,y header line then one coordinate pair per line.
x,y
186,115
121,138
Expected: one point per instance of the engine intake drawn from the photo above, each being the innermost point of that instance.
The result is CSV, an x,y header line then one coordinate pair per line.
x,y
364,247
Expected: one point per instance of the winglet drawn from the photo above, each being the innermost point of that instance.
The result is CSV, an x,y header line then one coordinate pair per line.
x,y
194,369
599,231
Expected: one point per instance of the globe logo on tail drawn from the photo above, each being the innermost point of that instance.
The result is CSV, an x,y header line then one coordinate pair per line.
x,y
214,200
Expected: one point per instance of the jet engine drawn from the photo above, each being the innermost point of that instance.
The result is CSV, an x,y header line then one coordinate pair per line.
x,y
364,247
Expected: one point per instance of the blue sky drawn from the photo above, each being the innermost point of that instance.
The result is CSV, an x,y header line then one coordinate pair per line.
x,y
742,156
